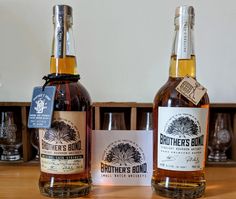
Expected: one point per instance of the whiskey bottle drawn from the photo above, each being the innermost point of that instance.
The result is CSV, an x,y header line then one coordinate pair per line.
x,y
65,147
180,125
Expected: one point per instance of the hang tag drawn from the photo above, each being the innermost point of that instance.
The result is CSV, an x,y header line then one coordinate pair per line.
x,y
41,109
191,89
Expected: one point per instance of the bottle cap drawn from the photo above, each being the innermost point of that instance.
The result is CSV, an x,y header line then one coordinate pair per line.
x,y
63,11
184,12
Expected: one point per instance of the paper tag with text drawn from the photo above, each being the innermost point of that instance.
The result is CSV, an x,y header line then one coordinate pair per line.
x,y
191,89
41,109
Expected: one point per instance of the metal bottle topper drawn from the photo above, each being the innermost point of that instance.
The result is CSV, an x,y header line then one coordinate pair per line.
x,y
62,20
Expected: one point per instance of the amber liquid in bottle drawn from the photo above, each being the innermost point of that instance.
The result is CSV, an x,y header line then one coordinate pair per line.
x,y
70,96
167,182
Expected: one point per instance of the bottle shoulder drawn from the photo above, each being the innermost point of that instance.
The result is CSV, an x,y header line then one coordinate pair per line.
x,y
71,96
169,96
84,92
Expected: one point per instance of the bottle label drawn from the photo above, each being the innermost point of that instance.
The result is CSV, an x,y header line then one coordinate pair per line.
x,y
191,89
62,147
183,51
122,157
181,138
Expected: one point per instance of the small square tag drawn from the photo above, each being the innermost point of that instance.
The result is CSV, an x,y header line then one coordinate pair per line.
x,y
41,109
191,89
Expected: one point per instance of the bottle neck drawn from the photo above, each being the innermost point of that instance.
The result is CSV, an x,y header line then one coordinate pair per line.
x,y
63,60
183,61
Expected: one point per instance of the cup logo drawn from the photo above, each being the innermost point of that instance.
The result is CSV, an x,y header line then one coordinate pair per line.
x,y
123,157
123,154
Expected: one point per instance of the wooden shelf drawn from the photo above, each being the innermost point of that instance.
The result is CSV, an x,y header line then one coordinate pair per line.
x,y
27,104
228,163
223,105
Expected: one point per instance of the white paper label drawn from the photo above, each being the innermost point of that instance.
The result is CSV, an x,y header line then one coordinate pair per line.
x,y
181,138
121,157
183,51
62,147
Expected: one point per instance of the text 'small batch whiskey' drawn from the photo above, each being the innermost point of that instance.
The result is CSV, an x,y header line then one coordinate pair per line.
x,y
180,120
65,147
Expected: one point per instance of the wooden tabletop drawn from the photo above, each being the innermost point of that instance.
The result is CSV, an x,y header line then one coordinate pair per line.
x,y
21,182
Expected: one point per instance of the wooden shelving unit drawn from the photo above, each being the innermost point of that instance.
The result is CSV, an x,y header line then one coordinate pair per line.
x,y
132,112
130,109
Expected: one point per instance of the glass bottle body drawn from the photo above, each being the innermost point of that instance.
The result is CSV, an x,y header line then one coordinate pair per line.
x,y
169,183
70,96
179,126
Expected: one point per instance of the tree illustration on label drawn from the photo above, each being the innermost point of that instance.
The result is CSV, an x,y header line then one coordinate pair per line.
x,y
60,132
123,154
182,127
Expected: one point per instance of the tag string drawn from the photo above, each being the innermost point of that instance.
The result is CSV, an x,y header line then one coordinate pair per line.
x,y
63,77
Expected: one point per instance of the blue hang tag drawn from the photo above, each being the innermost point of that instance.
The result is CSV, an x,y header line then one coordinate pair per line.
x,y
41,109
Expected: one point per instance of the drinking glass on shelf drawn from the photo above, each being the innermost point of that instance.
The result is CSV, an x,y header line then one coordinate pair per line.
x,y
34,140
114,121
145,122
11,139
220,138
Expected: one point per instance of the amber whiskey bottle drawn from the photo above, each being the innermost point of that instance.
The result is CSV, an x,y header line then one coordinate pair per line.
x,y
180,126
65,147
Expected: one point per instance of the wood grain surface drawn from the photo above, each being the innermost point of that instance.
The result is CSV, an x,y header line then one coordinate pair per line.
x,y
21,182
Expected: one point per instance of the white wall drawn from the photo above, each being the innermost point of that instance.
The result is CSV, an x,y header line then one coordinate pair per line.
x,y
123,46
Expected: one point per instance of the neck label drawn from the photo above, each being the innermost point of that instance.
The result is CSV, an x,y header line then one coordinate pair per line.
x,y
191,89
60,37
184,48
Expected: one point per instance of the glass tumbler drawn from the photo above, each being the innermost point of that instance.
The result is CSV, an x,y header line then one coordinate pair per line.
x,y
220,138
11,139
114,121
145,122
